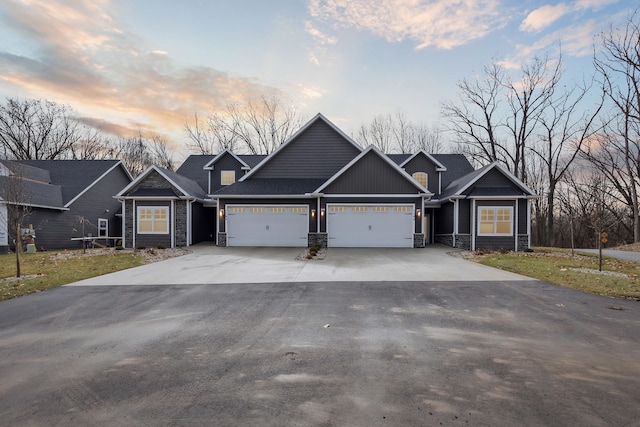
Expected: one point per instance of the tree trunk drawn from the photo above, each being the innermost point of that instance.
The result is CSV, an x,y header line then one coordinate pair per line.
x,y
18,249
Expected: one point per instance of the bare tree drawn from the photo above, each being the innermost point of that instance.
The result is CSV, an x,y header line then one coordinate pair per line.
x,y
618,64
396,133
36,129
475,118
256,126
15,198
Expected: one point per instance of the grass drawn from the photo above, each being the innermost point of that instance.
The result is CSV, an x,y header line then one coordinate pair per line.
x,y
46,270
557,266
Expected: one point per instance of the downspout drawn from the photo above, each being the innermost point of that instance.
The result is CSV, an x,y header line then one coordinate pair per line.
x,y
173,223
124,221
528,222
517,226
456,212
134,223
473,224
318,215
189,202
217,219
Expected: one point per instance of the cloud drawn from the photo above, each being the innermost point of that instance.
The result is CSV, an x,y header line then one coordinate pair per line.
x,y
543,17
79,54
441,23
576,40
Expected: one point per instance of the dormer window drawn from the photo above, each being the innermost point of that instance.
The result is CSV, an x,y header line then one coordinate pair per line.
x,y
421,177
227,177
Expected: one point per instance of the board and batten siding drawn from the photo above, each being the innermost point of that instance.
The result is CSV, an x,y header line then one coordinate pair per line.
x,y
371,175
421,163
493,178
54,229
443,219
318,152
225,163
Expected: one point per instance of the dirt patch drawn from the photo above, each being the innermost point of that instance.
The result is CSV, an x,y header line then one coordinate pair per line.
x,y
310,255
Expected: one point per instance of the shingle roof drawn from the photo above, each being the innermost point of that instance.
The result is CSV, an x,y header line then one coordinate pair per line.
x,y
398,158
252,159
73,176
26,171
457,166
191,187
275,186
192,168
30,192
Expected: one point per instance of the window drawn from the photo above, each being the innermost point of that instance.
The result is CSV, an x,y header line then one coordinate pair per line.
x,y
227,177
495,221
153,220
103,227
421,177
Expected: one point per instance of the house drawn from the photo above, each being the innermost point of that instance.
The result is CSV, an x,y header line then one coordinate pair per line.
x,y
321,188
67,199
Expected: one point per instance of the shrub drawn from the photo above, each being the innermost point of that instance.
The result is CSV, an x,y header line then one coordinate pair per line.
x,y
160,246
140,247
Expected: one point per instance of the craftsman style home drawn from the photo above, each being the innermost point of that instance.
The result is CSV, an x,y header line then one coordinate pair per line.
x,y
322,188
67,200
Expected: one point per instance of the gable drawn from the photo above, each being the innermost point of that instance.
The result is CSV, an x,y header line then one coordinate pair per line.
x,y
319,151
421,163
494,182
153,184
371,175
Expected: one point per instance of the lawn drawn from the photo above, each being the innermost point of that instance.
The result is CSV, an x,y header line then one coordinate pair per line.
x,y
619,279
45,270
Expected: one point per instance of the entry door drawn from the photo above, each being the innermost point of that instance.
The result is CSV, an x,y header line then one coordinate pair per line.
x,y
267,225
364,225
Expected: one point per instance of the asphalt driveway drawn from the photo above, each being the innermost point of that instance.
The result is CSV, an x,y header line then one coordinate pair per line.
x,y
357,353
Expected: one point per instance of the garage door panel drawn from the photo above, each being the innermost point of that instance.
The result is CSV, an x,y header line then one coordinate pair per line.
x,y
264,225
370,226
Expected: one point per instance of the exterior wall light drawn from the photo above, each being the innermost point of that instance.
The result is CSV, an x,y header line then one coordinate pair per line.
x,y
418,213
313,213
221,213
322,212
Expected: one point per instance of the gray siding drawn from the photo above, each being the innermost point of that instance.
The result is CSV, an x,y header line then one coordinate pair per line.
x,y
421,163
522,216
54,229
443,219
318,152
493,178
464,216
225,163
371,175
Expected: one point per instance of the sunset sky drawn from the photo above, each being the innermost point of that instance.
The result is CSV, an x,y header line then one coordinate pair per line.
x,y
149,64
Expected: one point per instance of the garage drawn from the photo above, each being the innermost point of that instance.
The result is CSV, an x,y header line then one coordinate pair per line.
x,y
267,225
373,226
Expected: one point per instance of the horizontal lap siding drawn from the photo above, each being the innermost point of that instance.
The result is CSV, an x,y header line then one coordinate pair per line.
x,y
54,229
318,152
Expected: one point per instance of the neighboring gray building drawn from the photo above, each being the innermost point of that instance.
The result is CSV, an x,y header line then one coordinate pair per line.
x,y
321,187
64,198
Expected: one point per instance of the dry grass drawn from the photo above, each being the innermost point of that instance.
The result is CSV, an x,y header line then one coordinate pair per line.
x,y
46,270
619,279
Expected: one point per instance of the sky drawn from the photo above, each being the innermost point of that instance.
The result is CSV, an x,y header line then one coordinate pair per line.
x,y
130,66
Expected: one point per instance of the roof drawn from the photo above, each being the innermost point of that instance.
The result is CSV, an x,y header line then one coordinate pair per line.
x,y
193,168
186,186
29,192
457,187
457,166
275,186
73,176
398,158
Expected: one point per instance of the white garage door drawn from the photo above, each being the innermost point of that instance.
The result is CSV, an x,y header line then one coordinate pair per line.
x,y
374,226
267,225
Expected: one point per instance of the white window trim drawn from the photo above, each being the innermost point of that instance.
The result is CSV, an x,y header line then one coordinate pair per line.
x,y
227,171
495,208
106,229
426,178
153,208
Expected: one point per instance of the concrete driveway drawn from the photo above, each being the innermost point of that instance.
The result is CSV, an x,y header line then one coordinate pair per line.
x,y
215,265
